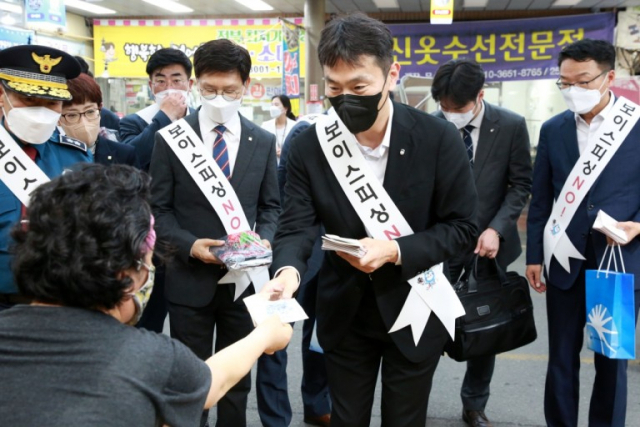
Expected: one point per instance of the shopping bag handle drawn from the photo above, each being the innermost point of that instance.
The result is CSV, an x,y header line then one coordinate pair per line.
x,y
472,281
611,256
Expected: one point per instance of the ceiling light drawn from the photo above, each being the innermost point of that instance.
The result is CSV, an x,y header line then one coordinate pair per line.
x,y
255,4
475,3
170,5
9,7
566,3
88,7
386,4
7,20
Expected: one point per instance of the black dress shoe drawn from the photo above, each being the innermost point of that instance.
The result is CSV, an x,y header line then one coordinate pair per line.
x,y
476,418
320,420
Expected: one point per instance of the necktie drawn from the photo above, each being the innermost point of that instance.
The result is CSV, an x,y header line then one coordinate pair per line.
x,y
31,152
220,153
468,142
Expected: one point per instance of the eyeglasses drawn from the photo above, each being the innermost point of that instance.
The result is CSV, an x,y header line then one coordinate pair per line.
x,y
73,118
227,95
161,83
562,85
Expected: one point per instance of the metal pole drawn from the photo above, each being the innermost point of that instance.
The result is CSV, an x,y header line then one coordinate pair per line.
x,y
314,16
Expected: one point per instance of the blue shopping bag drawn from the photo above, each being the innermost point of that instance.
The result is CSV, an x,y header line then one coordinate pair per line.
x,y
610,310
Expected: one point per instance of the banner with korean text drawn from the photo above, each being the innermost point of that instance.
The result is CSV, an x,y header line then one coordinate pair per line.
x,y
517,49
122,47
291,64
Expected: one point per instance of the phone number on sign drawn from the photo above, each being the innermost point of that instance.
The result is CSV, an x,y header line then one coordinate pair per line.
x,y
523,73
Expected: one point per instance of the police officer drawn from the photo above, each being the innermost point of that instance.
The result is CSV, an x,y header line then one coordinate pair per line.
x,y
33,85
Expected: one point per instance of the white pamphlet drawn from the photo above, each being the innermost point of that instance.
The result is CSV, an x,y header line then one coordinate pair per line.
x,y
331,242
261,308
608,226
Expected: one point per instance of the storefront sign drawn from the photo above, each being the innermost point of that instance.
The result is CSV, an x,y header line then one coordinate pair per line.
x,y
517,49
123,47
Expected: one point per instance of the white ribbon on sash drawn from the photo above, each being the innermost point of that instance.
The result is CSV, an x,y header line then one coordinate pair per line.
x,y
17,170
210,179
601,147
430,290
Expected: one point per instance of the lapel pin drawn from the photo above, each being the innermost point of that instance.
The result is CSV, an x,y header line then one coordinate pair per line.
x,y
109,157
491,130
250,138
402,152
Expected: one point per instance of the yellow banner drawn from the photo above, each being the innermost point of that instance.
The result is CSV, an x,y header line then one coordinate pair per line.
x,y
123,50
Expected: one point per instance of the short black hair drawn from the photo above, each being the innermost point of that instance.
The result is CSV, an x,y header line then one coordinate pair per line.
x,y
84,228
459,81
168,56
83,65
348,37
584,50
222,56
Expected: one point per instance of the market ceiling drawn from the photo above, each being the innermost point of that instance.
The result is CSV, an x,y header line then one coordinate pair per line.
x,y
215,8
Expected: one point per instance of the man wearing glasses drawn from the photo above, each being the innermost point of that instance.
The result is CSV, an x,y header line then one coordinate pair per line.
x,y
191,221
587,160
169,73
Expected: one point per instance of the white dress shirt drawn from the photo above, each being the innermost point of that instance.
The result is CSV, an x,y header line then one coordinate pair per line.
x,y
231,135
586,131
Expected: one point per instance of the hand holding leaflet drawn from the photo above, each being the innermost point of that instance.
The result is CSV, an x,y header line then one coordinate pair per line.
x,y
242,251
261,308
331,242
608,226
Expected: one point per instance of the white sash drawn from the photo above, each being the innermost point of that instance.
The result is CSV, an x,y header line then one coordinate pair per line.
x,y
17,170
601,147
148,113
210,179
430,291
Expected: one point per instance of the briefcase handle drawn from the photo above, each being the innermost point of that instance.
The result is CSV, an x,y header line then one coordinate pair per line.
x,y
472,281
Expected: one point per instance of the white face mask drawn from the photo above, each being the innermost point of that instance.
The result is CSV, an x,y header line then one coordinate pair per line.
x,y
84,131
581,100
160,96
34,125
275,111
460,120
219,109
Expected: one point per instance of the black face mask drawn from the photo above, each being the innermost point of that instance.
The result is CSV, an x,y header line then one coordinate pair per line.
x,y
357,112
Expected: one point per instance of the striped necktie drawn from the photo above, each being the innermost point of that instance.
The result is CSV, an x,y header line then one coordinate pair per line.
x,y
468,142
220,153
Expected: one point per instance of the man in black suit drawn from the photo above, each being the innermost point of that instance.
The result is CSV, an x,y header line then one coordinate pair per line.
x,y
170,81
424,170
185,218
497,145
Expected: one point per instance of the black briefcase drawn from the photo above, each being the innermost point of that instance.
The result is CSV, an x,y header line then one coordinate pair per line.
x,y
499,314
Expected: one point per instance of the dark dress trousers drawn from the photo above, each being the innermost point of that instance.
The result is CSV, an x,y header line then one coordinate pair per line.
x,y
428,178
617,193
502,174
196,303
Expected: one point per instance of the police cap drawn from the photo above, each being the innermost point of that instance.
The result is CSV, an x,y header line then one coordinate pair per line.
x,y
38,71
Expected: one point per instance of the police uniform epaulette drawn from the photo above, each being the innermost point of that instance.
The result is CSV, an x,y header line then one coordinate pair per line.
x,y
67,141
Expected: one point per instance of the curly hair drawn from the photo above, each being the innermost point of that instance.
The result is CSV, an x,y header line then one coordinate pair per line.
x,y
85,227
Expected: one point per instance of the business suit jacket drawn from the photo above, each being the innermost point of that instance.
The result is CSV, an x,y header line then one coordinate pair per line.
x,y
616,192
110,153
134,130
502,174
183,214
427,177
